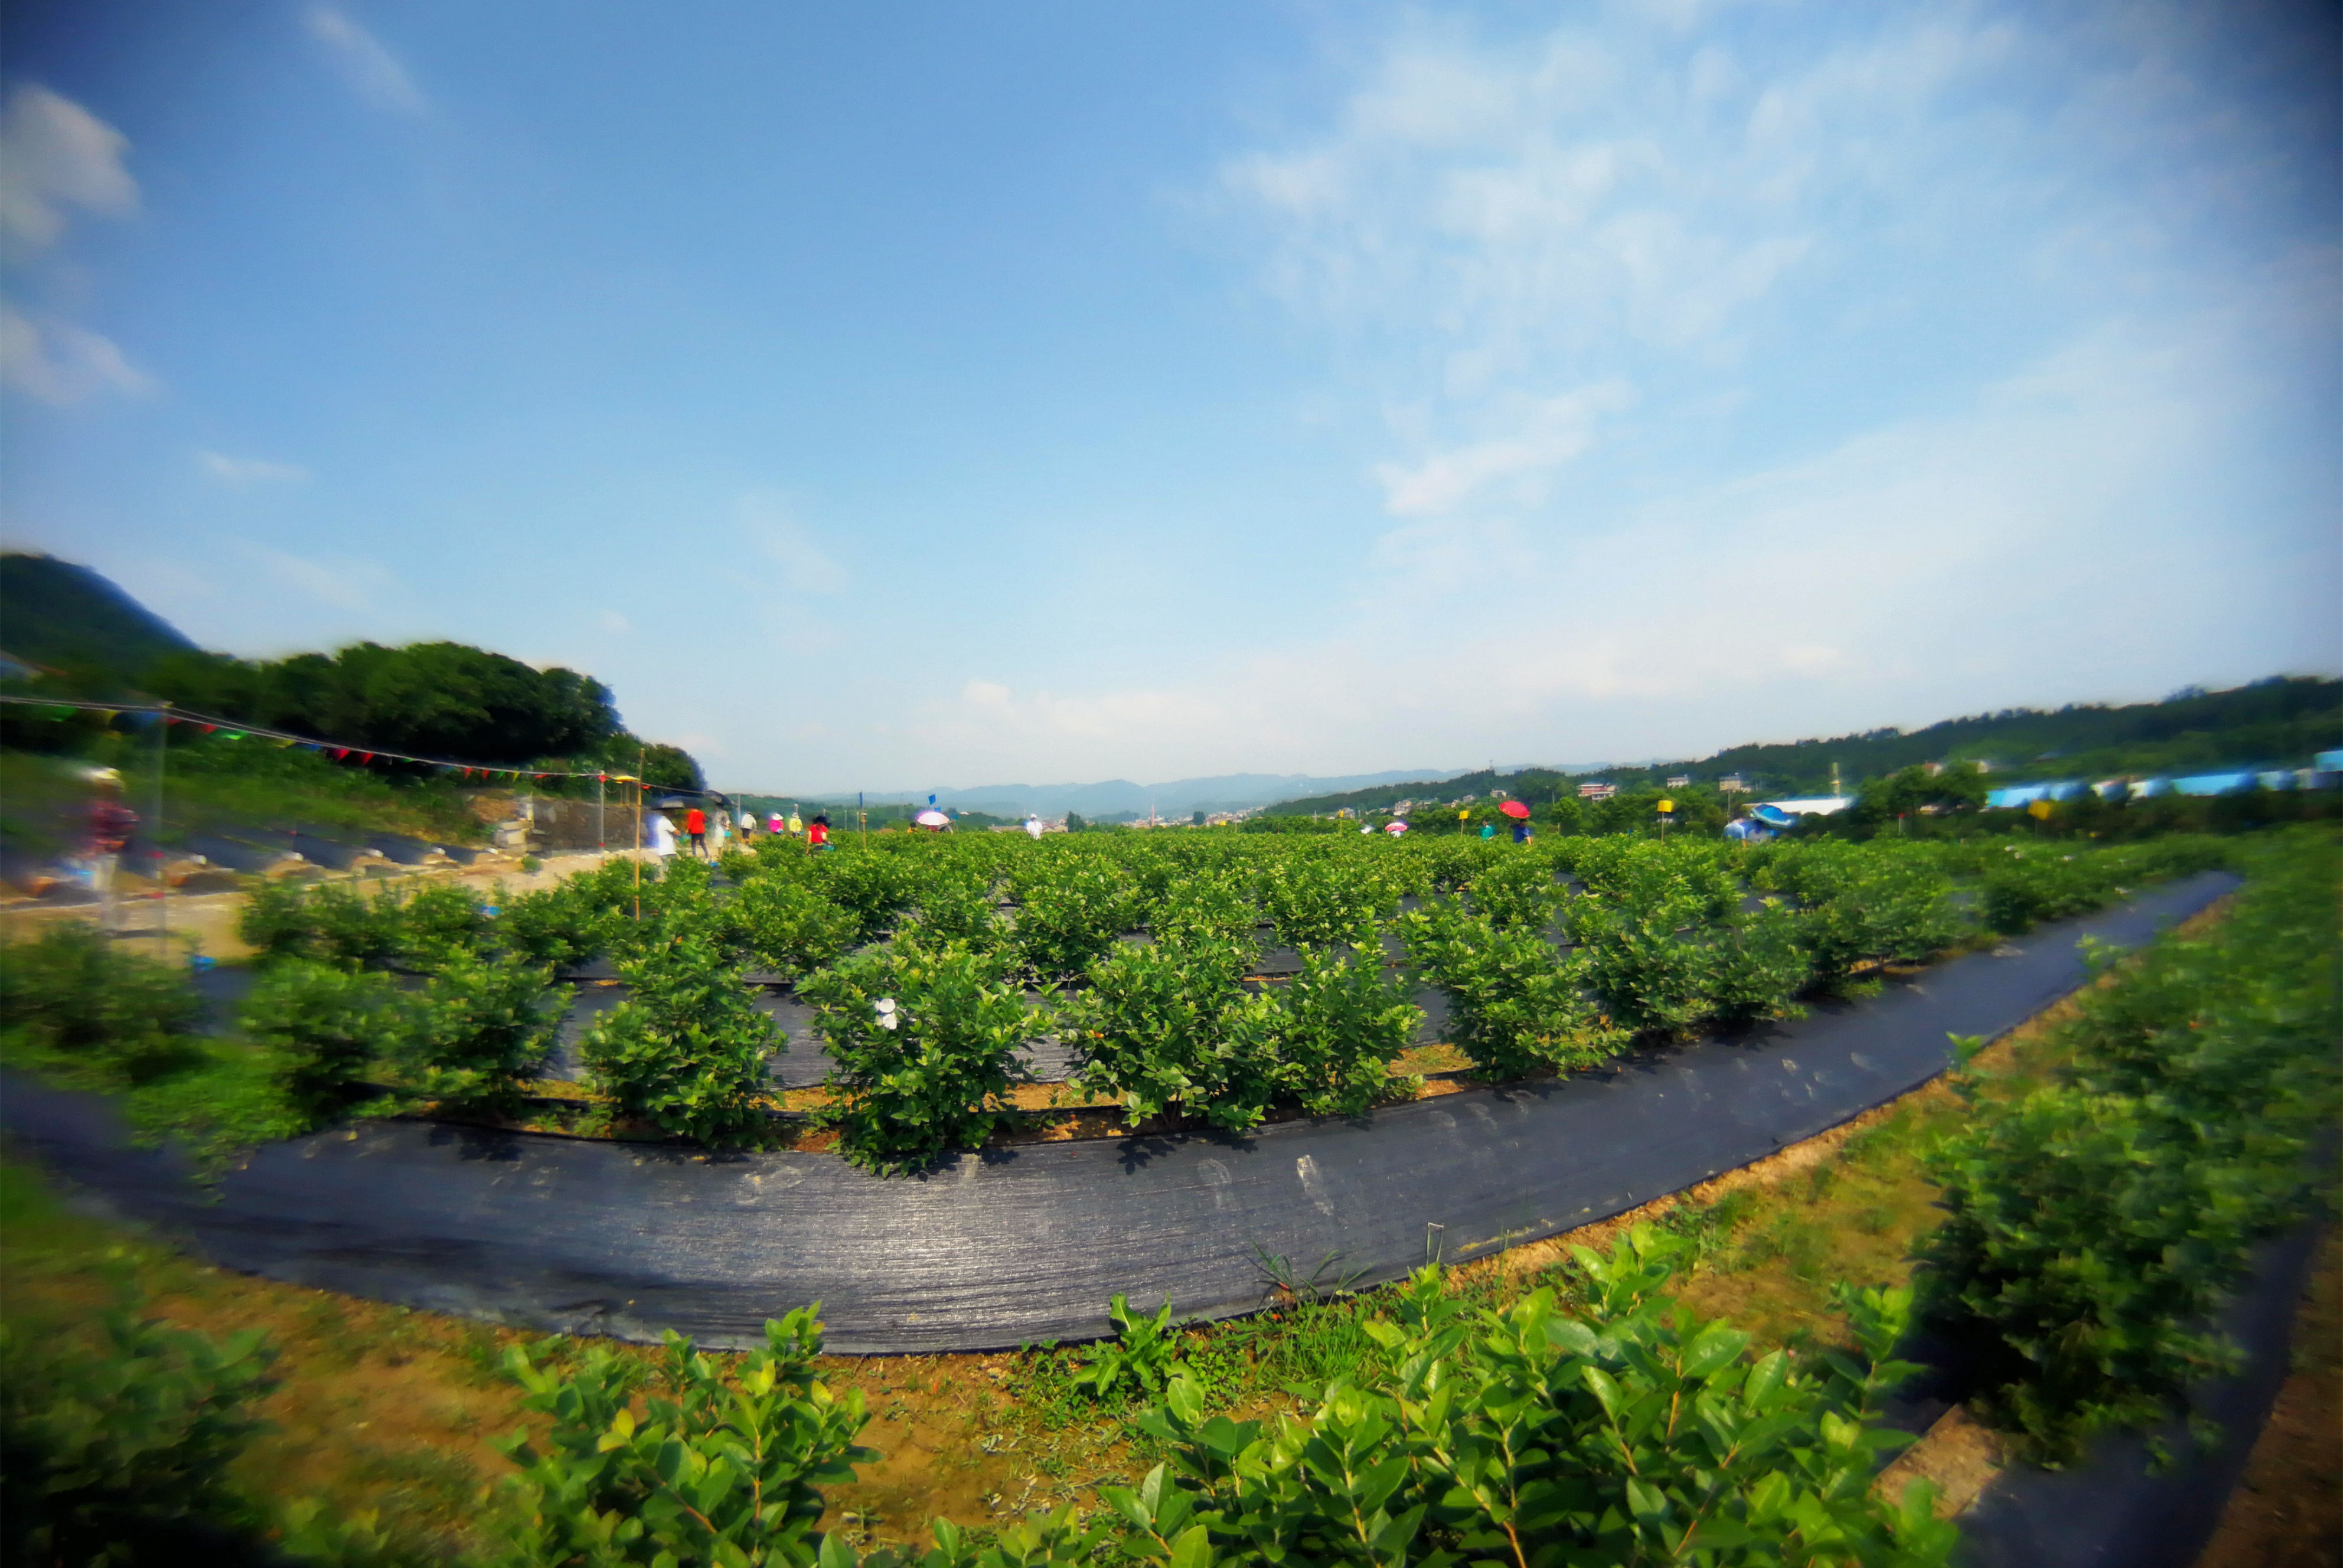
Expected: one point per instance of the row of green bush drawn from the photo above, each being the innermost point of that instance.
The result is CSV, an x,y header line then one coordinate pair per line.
x,y
2096,1221
925,1028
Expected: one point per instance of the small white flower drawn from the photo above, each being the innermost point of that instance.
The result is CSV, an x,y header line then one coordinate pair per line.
x,y
886,1004
887,1020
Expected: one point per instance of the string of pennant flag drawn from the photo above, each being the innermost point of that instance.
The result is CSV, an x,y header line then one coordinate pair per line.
x,y
230,730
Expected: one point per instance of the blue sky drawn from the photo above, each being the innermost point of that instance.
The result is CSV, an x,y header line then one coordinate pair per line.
x,y
908,397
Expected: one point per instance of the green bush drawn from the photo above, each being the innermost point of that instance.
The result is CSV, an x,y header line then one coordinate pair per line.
x,y
1515,1003
1206,906
1648,971
1070,913
1517,890
1894,909
2095,1223
955,905
119,1452
328,1029
1761,966
483,1028
78,997
437,921
1319,899
924,1040
1341,1023
275,923
558,926
723,1467
1634,1433
348,929
873,885
327,924
783,927
1166,1024
2042,884
687,1051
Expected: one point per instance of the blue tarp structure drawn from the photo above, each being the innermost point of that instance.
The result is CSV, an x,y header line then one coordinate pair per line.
x,y
2017,795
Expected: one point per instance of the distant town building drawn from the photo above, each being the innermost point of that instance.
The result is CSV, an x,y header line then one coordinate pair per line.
x,y
1679,780
1597,791
1733,782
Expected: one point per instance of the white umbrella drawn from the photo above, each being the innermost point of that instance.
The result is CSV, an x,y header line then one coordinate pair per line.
x,y
932,819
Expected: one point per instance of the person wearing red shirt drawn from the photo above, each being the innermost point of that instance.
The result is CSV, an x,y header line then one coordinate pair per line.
x,y
817,833
695,825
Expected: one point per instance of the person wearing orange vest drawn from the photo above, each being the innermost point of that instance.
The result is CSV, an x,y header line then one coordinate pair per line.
x,y
695,828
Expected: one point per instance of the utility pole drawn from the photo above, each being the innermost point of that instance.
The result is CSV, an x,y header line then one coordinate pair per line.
x,y
641,758
601,825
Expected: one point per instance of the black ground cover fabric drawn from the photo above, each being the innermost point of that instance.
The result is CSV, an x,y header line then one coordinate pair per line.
x,y
1027,1243
2109,1511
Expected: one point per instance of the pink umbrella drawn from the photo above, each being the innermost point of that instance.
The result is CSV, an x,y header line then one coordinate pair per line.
x,y
1514,809
1394,828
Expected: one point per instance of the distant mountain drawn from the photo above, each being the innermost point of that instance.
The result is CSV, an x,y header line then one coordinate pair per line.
x,y
1117,798
66,617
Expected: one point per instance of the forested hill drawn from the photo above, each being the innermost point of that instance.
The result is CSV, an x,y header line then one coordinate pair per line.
x,y
64,617
441,700
2281,721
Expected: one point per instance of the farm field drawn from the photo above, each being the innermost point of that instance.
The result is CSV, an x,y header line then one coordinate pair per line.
x,y
981,1440
1203,980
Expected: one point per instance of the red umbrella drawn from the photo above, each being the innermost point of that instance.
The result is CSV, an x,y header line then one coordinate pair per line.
x,y
1514,809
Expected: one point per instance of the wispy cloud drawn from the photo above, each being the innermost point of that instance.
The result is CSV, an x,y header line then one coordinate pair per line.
x,y
774,528
244,471
56,363
371,69
55,154
610,620
1545,434
345,582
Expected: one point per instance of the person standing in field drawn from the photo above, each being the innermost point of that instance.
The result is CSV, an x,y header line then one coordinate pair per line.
x,y
1032,827
111,823
818,832
661,833
796,827
1522,831
695,828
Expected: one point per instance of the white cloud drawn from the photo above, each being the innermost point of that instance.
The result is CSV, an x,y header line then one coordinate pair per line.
x,y
60,364
243,471
612,621
342,581
773,527
1547,433
372,70
55,155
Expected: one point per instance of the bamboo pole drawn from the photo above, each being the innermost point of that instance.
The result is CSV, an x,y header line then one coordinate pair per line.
x,y
641,758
